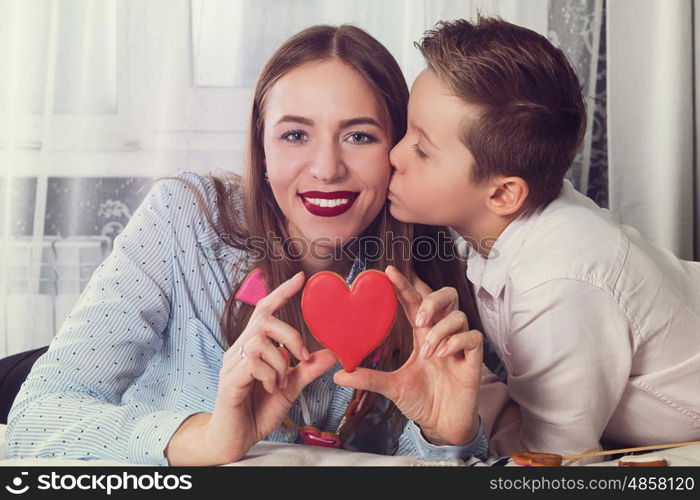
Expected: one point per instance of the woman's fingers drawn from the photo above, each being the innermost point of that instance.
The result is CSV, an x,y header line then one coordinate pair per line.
x,y
366,379
264,349
307,371
408,296
422,306
420,286
275,329
252,368
287,335
264,324
264,373
280,295
465,341
453,323
247,360
440,301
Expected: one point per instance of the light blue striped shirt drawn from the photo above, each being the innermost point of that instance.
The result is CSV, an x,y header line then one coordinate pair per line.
x,y
142,349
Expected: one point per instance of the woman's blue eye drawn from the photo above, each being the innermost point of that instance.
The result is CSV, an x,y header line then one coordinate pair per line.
x,y
361,138
294,136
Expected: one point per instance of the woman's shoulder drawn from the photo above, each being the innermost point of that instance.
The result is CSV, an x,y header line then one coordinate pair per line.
x,y
208,188
191,193
206,206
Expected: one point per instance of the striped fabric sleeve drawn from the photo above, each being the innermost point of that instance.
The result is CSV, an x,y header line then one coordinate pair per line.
x,y
70,406
413,443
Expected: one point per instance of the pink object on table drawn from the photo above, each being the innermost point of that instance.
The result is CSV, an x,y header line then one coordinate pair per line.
x,y
253,288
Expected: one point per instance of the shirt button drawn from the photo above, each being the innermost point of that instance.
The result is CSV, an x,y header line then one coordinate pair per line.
x,y
489,306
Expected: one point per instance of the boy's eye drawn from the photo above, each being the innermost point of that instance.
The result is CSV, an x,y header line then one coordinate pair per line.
x,y
294,136
361,138
419,151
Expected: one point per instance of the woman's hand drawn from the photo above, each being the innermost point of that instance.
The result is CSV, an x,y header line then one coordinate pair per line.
x,y
256,386
438,386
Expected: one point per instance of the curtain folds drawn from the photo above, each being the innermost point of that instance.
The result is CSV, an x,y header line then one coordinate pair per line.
x,y
653,169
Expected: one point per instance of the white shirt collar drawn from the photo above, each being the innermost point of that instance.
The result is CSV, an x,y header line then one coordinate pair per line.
x,y
491,273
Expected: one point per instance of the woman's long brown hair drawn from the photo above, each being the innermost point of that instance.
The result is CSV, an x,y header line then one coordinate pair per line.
x,y
262,217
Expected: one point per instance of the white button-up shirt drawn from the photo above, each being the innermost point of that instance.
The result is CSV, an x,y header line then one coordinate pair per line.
x,y
599,330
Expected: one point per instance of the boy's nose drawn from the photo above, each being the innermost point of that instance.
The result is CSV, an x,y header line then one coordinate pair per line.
x,y
394,158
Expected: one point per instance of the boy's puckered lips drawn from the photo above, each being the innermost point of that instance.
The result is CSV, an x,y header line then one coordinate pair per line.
x,y
328,203
391,195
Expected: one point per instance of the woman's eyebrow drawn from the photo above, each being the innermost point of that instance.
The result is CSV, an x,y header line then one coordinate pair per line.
x,y
295,119
365,120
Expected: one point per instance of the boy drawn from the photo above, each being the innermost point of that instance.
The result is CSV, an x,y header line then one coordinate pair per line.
x,y
599,330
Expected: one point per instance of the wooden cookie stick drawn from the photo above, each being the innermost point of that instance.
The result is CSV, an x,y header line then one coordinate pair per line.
x,y
553,459
630,450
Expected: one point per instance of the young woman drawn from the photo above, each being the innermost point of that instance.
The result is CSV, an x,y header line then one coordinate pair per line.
x,y
160,363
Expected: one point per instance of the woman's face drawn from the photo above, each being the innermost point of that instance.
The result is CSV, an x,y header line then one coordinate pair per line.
x,y
327,148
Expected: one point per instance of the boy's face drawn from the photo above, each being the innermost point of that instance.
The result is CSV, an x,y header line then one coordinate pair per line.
x,y
431,183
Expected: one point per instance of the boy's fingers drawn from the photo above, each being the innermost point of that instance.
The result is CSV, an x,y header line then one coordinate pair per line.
x,y
408,296
280,295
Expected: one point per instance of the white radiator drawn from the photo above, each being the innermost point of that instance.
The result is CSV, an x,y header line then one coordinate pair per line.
x,y
29,320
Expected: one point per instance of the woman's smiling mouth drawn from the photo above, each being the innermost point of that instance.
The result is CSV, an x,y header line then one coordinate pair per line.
x,y
328,204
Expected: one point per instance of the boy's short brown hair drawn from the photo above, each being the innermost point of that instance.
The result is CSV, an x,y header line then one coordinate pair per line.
x,y
533,115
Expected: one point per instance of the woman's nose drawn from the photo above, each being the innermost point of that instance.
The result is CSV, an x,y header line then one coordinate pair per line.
x,y
327,164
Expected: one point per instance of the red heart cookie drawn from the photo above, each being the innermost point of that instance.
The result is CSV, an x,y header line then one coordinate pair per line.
x,y
353,321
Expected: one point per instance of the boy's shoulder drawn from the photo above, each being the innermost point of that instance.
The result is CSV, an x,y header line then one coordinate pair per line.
x,y
571,238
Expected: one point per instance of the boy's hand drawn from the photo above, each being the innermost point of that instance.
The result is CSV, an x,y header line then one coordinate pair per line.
x,y
438,386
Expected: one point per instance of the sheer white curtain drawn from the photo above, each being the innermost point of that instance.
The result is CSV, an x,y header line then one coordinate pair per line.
x,y
96,97
653,167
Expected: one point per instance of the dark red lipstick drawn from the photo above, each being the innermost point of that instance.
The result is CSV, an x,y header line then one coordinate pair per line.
x,y
328,203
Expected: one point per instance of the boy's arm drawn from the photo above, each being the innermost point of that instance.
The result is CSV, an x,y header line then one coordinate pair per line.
x,y
500,416
570,348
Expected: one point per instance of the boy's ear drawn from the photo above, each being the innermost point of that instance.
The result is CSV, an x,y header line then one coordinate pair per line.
x,y
507,195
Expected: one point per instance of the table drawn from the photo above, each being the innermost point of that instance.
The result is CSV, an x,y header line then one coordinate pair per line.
x,y
284,454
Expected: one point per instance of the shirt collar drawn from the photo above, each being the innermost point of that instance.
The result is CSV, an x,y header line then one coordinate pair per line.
x,y
491,273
